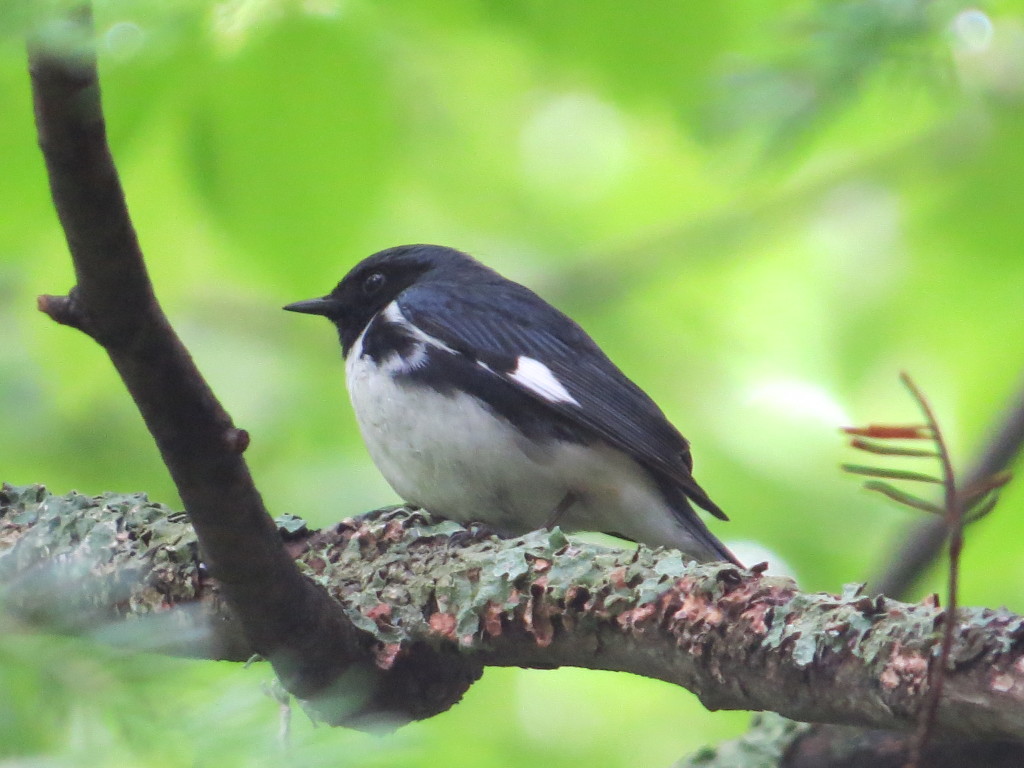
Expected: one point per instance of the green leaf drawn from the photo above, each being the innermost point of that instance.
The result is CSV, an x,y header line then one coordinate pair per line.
x,y
892,474
907,499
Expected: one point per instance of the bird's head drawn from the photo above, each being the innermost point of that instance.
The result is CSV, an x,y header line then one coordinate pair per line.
x,y
379,279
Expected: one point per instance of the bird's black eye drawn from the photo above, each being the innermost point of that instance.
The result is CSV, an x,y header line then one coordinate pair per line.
x,y
373,283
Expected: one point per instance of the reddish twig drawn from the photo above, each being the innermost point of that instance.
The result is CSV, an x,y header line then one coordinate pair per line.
x,y
954,521
924,542
958,507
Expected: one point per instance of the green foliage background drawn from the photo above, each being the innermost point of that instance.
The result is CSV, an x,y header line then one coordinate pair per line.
x,y
763,211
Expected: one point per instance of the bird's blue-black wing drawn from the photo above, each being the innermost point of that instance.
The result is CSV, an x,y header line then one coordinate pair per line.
x,y
495,324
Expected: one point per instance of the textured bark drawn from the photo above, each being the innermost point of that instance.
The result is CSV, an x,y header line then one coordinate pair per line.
x,y
843,747
775,742
738,639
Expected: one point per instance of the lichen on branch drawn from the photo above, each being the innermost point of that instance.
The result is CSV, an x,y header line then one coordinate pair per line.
x,y
739,639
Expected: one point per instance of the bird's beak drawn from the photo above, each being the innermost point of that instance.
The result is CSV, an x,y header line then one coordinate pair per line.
x,y
323,306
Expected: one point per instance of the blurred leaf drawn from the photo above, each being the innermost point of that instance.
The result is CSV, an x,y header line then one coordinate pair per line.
x,y
152,59
291,141
639,51
835,51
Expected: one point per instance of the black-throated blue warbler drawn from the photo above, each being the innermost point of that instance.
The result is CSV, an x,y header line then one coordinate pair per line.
x,y
481,402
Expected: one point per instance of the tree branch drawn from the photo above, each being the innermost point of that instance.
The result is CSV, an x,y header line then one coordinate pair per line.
x,y
839,746
285,616
737,639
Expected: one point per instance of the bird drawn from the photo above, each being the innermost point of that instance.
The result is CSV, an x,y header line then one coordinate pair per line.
x,y
484,404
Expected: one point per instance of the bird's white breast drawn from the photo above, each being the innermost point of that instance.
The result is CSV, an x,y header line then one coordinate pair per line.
x,y
453,456
449,454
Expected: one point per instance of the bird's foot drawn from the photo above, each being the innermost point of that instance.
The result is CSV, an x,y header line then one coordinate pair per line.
x,y
473,533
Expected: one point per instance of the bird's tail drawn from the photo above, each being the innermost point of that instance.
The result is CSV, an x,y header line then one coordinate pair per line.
x,y
695,532
721,552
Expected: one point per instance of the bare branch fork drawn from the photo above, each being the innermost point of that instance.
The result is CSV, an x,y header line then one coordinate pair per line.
x,y
287,618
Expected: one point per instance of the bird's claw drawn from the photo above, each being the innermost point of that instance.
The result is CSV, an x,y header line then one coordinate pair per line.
x,y
473,533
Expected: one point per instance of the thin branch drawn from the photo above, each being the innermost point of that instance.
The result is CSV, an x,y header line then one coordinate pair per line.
x,y
285,616
954,521
924,543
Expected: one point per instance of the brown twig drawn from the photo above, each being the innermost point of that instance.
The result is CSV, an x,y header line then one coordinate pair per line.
x,y
924,542
959,506
954,522
285,616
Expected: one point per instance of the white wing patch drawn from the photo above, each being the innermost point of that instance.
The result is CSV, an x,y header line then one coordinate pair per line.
x,y
393,314
529,373
538,378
